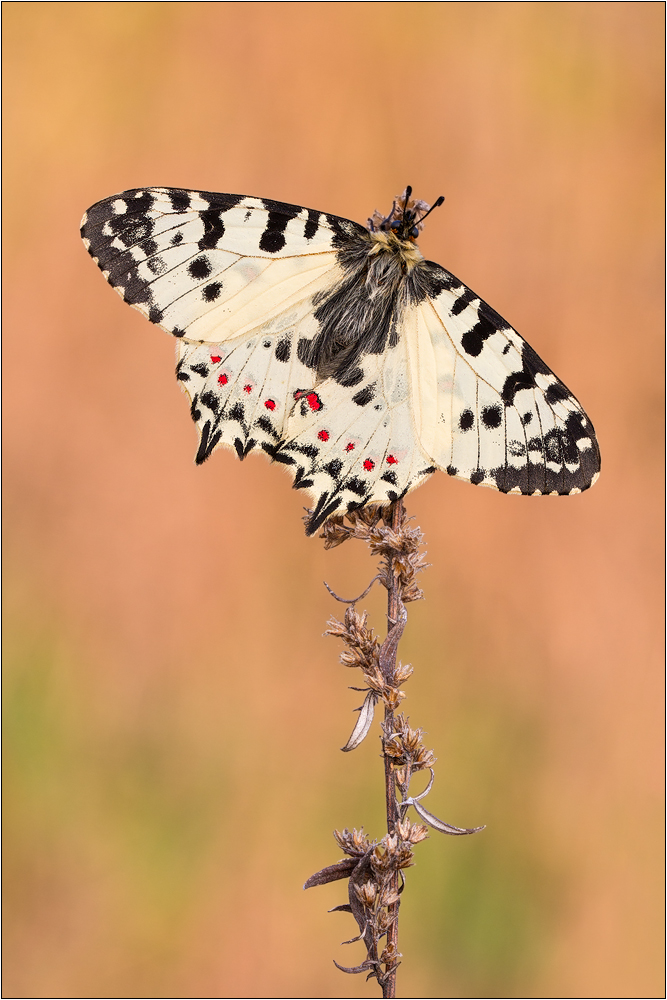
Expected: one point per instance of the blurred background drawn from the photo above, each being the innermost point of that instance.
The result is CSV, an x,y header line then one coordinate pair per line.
x,y
173,714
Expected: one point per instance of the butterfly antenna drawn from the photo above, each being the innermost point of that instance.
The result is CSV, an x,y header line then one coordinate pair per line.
x,y
436,204
408,192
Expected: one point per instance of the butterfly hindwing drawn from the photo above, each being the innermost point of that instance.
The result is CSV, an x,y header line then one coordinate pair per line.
x,y
356,445
243,391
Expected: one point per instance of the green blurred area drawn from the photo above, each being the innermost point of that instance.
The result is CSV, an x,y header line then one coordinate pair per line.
x,y
172,713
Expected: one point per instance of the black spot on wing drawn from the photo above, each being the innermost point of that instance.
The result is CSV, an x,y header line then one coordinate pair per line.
x,y
283,349
155,314
356,486
312,224
130,231
463,301
467,420
324,509
309,450
568,448
207,443
220,202
492,416
552,448
580,427
556,392
265,425
531,365
334,468
364,397
180,200
150,247
277,455
156,265
515,383
477,477
138,202
301,481
214,229
199,268
210,401
212,292
273,239
242,449
473,339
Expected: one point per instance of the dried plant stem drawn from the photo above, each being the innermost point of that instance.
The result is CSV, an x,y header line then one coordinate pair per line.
x,y
374,869
394,605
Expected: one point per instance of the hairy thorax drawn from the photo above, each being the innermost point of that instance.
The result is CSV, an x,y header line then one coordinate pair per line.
x,y
362,314
391,251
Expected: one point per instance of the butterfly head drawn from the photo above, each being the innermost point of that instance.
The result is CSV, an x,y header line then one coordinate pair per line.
x,y
406,219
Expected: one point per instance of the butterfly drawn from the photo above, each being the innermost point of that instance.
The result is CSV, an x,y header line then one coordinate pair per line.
x,y
337,349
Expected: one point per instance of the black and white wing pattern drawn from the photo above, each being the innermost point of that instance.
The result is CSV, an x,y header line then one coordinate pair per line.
x,y
337,350
486,408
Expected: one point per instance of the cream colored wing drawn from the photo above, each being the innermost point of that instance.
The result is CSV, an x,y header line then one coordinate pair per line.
x,y
486,408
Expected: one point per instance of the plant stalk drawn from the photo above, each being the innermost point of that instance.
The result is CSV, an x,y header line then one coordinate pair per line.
x,y
393,614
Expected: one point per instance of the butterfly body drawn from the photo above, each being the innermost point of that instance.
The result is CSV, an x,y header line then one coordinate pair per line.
x,y
338,350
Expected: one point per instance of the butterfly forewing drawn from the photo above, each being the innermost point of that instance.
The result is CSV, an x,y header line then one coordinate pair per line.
x,y
196,261
503,419
339,352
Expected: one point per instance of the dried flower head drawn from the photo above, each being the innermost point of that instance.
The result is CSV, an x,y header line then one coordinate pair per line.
x,y
404,746
354,843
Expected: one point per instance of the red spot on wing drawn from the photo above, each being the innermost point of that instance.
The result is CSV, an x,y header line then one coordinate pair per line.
x,y
369,464
313,400
223,380
349,447
270,404
215,359
323,435
391,460
247,388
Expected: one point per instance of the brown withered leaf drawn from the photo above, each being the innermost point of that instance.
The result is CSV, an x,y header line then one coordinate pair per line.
x,y
342,869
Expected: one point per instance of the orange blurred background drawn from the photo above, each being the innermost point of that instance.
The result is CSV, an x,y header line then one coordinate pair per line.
x,y
173,713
